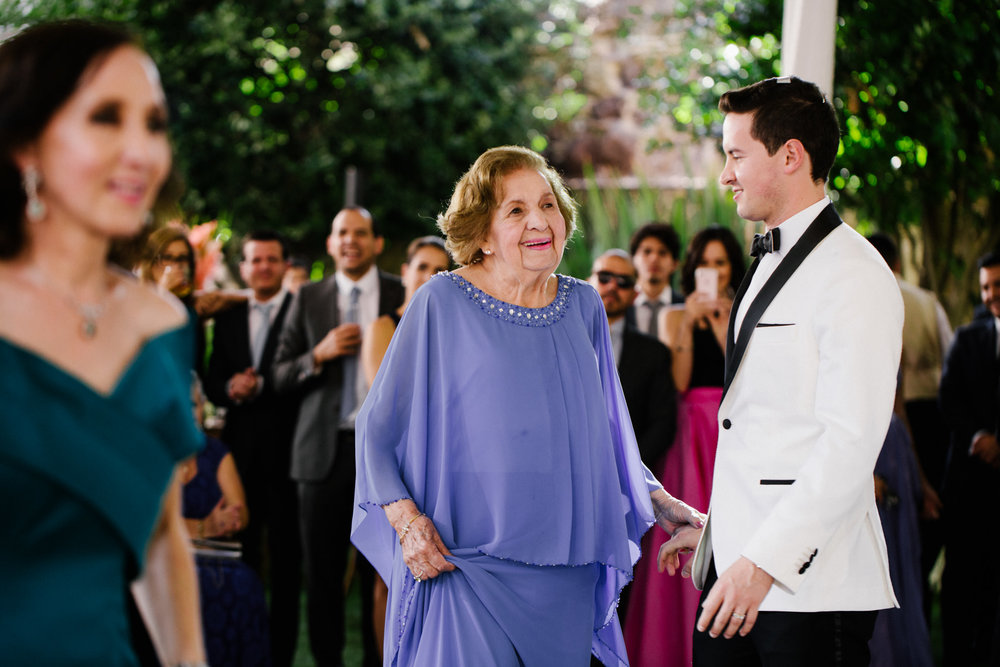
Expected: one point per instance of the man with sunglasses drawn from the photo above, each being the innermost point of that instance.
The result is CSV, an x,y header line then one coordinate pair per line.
x,y
643,361
643,367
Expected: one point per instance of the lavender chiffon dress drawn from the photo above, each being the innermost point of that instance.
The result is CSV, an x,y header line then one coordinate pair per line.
x,y
508,428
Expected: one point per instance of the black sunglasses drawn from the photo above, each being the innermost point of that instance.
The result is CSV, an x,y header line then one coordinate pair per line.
x,y
623,282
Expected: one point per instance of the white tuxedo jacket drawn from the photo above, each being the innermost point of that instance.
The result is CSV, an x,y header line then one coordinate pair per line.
x,y
810,382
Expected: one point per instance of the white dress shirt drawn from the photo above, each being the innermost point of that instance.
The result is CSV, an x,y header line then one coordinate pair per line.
x,y
642,312
792,230
367,313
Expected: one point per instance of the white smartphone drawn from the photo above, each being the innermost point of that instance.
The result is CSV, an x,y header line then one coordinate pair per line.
x,y
706,281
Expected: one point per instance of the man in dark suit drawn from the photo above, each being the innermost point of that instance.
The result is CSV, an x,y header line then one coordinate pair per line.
x,y
643,368
656,252
970,400
318,356
258,429
643,361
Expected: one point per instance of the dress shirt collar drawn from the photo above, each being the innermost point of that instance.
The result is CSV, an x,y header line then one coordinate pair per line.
x,y
794,227
368,283
276,299
617,329
665,297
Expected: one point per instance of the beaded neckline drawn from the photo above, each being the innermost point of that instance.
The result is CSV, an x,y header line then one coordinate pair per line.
x,y
508,312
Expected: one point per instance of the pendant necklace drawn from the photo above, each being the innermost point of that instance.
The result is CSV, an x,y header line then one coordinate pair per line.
x,y
89,313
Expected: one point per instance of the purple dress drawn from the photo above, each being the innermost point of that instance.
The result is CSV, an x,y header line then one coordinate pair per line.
x,y
508,428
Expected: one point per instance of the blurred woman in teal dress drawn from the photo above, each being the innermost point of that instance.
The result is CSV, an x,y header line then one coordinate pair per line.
x,y
94,400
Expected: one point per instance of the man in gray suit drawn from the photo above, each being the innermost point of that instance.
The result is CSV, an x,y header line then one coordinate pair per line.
x,y
318,355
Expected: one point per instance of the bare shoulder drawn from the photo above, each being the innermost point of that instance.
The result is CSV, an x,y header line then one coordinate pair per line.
x,y
152,310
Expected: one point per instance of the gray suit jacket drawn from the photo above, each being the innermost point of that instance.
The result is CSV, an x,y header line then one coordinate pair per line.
x,y
312,315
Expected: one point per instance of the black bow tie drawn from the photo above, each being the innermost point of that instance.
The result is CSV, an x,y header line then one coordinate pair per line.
x,y
763,243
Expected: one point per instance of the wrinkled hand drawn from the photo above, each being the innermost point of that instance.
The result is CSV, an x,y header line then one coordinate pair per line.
x,y
671,513
423,549
684,541
223,519
734,600
338,342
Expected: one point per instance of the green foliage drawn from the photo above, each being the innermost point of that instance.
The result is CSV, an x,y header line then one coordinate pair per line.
x,y
610,215
272,100
916,88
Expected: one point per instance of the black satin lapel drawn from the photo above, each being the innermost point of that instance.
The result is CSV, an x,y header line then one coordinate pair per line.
x,y
825,222
730,335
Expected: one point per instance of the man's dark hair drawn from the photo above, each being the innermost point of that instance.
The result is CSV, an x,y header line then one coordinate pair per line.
x,y
886,247
666,234
265,235
787,108
990,259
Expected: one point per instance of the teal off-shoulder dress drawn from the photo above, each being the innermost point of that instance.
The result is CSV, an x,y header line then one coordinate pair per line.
x,y
82,476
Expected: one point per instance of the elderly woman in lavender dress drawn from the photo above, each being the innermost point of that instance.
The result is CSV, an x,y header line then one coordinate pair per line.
x,y
500,492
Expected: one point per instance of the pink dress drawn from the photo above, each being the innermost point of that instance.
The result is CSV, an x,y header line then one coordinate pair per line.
x,y
662,610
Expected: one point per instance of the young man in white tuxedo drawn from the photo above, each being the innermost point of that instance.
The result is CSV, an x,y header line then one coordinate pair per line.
x,y
792,560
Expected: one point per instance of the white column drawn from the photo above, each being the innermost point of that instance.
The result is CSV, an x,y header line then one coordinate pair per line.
x,y
807,42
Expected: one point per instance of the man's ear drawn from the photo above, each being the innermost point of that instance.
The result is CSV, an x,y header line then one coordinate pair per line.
x,y
796,156
379,245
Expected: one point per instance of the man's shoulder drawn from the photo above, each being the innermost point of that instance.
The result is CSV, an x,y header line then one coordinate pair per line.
x,y
646,345
389,279
974,330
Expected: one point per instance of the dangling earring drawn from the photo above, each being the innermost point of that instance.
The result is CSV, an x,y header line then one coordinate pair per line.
x,y
35,209
147,221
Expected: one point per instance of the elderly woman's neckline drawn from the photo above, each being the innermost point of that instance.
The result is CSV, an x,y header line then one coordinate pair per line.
x,y
514,292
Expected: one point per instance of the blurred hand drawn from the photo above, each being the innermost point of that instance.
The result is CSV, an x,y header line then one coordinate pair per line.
x,y
207,304
338,342
174,281
243,385
223,519
931,507
986,449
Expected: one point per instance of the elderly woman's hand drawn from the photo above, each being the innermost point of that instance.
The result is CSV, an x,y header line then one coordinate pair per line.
x,y
672,514
423,550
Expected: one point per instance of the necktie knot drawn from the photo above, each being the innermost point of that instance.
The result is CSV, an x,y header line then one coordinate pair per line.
x,y
765,243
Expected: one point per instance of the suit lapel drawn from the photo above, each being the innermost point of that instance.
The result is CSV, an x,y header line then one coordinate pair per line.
x,y
273,333
825,222
241,330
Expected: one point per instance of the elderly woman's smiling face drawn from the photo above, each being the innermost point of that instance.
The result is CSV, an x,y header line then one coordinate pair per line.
x,y
527,230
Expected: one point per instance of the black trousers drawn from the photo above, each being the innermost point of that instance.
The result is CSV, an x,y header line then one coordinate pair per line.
x,y
325,510
789,639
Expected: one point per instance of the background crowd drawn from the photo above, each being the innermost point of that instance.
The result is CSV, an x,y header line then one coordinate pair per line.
x,y
287,365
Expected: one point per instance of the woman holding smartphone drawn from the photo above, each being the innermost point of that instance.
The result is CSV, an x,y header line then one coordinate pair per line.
x,y
660,619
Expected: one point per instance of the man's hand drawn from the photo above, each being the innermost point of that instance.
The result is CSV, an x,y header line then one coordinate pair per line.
x,y
243,385
684,541
987,450
734,600
338,342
